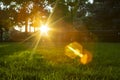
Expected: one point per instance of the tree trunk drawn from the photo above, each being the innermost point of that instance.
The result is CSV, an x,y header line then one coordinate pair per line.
x,y
26,26
29,28
34,29
1,35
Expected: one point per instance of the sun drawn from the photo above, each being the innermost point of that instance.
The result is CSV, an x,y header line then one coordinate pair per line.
x,y
44,29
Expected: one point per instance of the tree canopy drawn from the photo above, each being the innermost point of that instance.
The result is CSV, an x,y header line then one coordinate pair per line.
x,y
101,14
20,12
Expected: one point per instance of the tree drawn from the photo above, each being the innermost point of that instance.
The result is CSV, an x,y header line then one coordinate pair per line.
x,y
21,12
103,19
104,15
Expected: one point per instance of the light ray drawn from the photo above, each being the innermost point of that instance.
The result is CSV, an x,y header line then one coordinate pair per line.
x,y
76,51
35,47
33,35
47,22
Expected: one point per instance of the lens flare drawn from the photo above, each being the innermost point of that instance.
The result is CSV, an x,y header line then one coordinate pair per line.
x,y
75,49
44,29
87,57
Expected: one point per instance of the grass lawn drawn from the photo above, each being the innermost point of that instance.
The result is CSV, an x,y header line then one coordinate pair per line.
x,y
24,61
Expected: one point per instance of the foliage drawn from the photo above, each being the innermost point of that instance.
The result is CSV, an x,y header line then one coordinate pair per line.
x,y
103,15
21,12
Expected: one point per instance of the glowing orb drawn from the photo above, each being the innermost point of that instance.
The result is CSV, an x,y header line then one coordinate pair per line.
x,y
86,58
75,49
44,29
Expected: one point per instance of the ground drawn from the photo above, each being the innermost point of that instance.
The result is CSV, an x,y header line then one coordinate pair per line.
x,y
24,61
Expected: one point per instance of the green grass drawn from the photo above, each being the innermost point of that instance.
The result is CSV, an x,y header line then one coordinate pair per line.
x,y
48,62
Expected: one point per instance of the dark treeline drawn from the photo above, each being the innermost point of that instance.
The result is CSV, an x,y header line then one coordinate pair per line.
x,y
101,18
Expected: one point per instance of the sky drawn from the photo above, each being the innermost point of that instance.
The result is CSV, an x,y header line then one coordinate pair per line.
x,y
91,1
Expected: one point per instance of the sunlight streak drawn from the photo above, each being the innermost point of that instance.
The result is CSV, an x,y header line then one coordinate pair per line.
x,y
35,47
33,35
76,51
53,9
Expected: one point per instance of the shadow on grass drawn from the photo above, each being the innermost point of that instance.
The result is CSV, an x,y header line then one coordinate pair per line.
x,y
11,48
